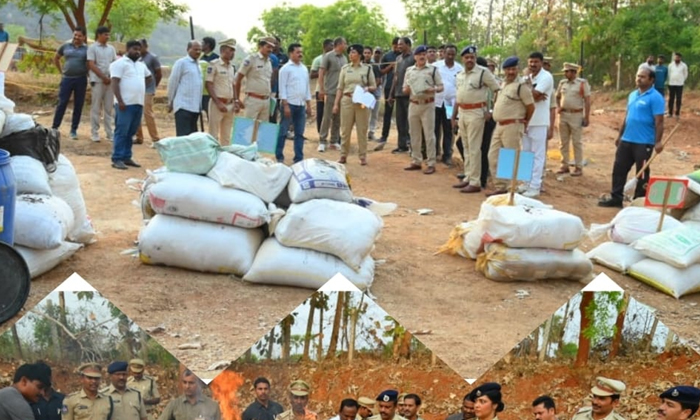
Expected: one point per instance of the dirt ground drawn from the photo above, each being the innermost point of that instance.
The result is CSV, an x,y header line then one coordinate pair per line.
x,y
472,321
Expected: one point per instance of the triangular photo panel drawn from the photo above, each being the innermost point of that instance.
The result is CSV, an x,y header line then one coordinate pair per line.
x,y
76,355
337,346
603,353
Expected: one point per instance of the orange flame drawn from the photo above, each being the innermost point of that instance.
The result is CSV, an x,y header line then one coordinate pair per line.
x,y
224,389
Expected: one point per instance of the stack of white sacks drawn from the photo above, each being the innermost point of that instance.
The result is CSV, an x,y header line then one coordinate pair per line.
x,y
222,210
527,241
51,221
668,260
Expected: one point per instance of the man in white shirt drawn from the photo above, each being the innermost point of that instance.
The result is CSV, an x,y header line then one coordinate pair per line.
x,y
535,138
448,69
185,87
677,75
648,64
295,98
129,78
99,56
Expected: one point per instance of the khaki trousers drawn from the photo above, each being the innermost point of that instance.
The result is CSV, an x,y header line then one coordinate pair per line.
x,y
220,123
421,122
570,127
357,115
471,130
102,98
149,118
504,137
257,109
330,121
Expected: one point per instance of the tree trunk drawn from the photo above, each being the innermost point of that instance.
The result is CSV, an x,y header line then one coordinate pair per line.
x,y
619,326
535,341
18,345
488,24
564,321
545,339
333,345
55,339
319,348
652,333
271,342
143,351
353,329
286,336
670,338
584,343
309,327
346,316
405,348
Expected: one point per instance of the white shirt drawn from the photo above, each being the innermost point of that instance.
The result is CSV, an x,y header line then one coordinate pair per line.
x,y
294,84
677,73
132,79
449,81
185,85
543,83
646,65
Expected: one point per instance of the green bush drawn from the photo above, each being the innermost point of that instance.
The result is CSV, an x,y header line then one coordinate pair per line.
x,y
37,62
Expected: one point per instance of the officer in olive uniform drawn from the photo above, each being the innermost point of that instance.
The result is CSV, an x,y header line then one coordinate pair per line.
x,y
421,82
353,74
473,84
128,402
146,385
606,397
512,111
192,405
367,407
88,403
489,392
574,108
257,69
688,397
299,396
220,80
387,406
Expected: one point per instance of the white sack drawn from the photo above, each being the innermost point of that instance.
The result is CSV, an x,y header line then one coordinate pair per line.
x,y
66,185
673,281
632,223
318,178
678,247
529,264
43,261
42,221
262,178
614,255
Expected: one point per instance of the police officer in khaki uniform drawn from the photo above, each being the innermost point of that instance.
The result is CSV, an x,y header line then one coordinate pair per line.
x,y
299,396
473,84
146,385
678,403
128,402
192,405
574,108
257,69
512,111
421,82
605,398
88,403
367,407
354,74
219,81
387,402
488,401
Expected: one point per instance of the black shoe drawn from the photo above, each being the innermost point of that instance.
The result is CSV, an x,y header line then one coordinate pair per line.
x,y
399,150
380,146
130,162
461,176
119,165
610,202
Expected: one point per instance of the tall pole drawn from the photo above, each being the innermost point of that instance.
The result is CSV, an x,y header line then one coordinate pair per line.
x,y
201,117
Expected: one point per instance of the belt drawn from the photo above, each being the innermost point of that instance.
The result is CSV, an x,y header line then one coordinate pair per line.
x,y
349,95
255,95
506,122
472,106
573,111
427,101
226,100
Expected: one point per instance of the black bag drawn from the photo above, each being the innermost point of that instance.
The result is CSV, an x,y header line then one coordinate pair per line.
x,y
41,143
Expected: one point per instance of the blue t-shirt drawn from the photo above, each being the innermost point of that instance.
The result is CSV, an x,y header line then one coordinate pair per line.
x,y
661,76
640,126
275,65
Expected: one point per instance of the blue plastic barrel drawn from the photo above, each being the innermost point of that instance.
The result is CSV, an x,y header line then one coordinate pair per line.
x,y
8,192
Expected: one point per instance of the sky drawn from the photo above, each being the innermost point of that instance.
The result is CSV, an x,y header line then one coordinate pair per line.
x,y
236,21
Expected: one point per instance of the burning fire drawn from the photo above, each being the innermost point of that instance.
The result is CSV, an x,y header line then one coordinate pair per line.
x,y
224,389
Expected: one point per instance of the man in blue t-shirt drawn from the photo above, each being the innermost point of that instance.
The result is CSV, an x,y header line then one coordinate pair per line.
x,y
640,135
661,71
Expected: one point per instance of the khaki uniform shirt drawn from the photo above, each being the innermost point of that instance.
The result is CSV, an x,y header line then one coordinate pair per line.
x,y
77,406
569,93
472,88
180,409
147,386
258,72
127,406
396,417
420,79
332,63
586,413
223,76
289,415
510,105
351,76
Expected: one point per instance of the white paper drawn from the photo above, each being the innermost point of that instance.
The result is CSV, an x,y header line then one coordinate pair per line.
x,y
365,98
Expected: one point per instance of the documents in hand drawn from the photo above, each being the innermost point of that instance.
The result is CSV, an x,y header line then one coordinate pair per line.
x,y
365,98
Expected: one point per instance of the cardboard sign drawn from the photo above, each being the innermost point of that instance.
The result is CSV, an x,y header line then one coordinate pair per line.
x,y
247,131
506,165
666,192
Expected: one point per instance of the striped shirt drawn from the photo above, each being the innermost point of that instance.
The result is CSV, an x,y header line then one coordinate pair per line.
x,y
185,85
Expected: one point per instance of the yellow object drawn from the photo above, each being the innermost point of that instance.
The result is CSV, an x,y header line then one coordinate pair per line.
x,y
655,284
144,258
455,243
496,253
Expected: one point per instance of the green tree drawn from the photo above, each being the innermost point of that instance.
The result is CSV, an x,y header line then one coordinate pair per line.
x,y
129,19
445,21
282,21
